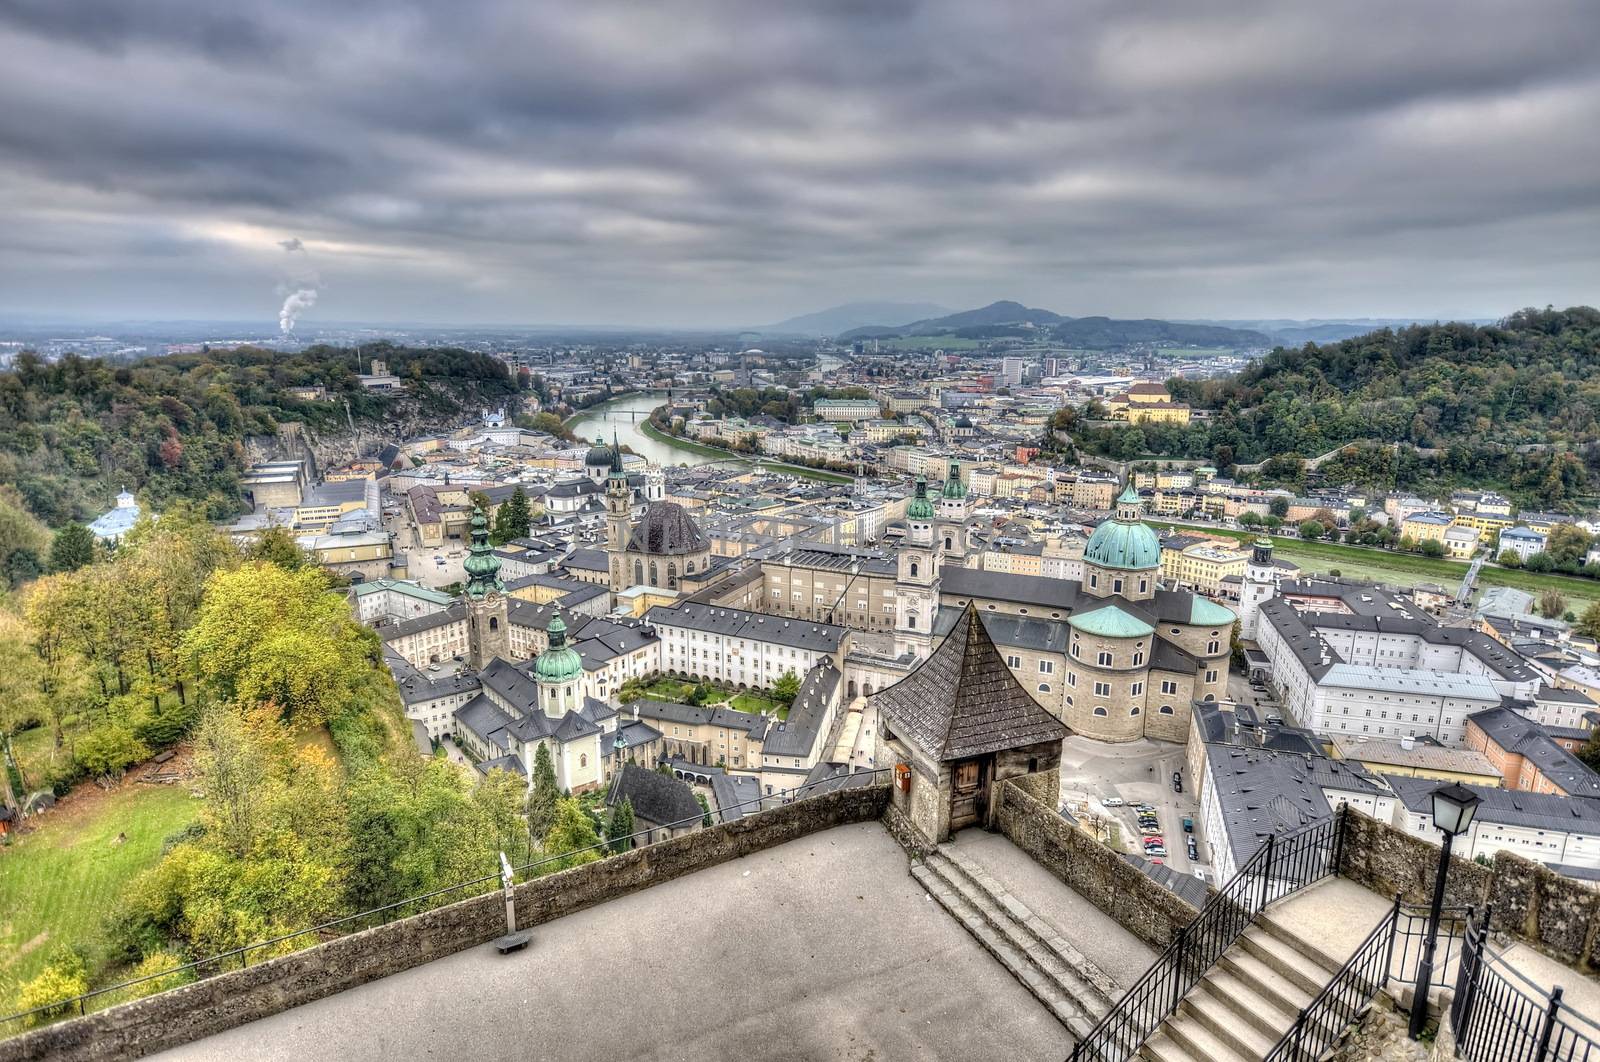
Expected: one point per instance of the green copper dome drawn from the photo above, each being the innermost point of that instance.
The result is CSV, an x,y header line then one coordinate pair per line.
x,y
482,567
1125,541
560,662
920,508
952,482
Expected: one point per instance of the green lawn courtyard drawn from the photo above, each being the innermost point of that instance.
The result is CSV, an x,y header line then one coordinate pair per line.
x,y
60,881
753,702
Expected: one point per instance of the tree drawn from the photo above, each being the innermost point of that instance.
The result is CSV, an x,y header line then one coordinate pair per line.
x,y
1249,518
1589,623
513,519
499,800
572,837
619,830
231,759
543,795
1431,548
1552,603
1539,562
786,688
276,545
72,548
1509,558
1566,545
109,750
1279,507
705,809
1311,529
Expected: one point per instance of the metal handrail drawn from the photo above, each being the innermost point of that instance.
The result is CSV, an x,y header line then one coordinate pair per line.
x,y
1279,867
1321,1023
1499,1013
57,1010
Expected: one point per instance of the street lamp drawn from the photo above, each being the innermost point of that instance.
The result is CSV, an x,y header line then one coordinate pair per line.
x,y
1453,808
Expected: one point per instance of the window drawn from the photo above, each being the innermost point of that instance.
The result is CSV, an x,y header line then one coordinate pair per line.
x,y
1102,689
1072,678
1212,647
1044,687
1013,662
1166,709
1116,586
1047,667
1100,709
1135,690
1104,660
1138,658
1168,686
583,759
1134,710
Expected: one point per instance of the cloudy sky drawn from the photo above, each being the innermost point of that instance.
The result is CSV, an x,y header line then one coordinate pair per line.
x,y
690,163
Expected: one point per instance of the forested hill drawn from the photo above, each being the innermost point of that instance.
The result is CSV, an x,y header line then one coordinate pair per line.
x,y
1515,405
74,432
1532,378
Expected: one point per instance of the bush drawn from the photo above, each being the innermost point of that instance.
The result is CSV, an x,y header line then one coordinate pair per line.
x,y
164,727
160,962
63,979
109,749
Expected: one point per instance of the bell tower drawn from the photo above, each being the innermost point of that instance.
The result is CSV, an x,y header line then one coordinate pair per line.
x,y
1260,583
619,500
488,630
952,528
917,578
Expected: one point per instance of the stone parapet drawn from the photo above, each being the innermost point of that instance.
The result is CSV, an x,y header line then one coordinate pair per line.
x,y
207,1007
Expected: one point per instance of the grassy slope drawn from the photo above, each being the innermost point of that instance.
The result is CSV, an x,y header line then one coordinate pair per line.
x,y
1408,569
60,881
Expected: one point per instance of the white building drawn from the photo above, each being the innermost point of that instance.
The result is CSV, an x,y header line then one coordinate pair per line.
x,y
1522,541
739,648
1555,830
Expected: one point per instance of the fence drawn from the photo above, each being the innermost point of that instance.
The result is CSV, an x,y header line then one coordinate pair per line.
x,y
1498,1015
1321,1024
238,958
1279,867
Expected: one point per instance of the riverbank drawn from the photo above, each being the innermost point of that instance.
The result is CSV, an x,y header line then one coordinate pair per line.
x,y
819,474
600,407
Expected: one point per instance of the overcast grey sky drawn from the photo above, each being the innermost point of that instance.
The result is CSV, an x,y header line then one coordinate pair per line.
x,y
688,163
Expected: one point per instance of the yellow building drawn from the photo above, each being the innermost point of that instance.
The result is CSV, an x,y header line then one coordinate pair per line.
x,y
1488,525
1201,565
1170,413
1419,760
1425,527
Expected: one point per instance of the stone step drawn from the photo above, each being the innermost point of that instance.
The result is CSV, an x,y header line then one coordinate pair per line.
x,y
1197,1040
1220,1020
1264,981
1014,958
1304,973
1266,1014
1327,962
1089,984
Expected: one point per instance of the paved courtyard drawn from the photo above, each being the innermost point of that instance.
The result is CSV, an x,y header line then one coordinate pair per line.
x,y
1138,772
823,948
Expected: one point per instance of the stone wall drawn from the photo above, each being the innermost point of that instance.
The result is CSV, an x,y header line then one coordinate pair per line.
x,y
1556,915
227,1000
1091,869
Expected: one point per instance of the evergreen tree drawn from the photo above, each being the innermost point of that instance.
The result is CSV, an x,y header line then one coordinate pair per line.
x,y
72,548
619,831
787,688
572,836
513,519
544,795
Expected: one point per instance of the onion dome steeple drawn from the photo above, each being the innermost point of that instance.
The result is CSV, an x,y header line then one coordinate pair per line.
x,y
953,487
1125,542
560,662
920,508
616,459
482,567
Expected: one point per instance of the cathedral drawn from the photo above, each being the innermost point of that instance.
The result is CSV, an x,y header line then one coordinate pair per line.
x,y
661,549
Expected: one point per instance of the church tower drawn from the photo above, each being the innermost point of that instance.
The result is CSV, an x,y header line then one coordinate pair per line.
x,y
917,579
488,629
1260,583
952,529
559,672
619,500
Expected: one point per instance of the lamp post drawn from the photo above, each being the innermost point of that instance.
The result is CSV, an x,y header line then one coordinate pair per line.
x,y
1453,808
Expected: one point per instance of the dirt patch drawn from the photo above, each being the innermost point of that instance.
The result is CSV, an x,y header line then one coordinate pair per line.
x,y
88,799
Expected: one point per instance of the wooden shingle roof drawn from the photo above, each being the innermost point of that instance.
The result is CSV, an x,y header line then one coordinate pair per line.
x,y
963,700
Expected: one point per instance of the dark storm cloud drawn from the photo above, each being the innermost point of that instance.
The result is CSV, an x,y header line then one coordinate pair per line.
x,y
696,162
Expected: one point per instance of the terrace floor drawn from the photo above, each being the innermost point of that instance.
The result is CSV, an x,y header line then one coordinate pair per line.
x,y
822,948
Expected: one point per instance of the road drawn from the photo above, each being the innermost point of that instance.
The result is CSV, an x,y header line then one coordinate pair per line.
x,y
1138,772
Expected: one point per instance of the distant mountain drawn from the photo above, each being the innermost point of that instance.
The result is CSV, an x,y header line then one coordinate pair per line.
x,y
836,319
991,320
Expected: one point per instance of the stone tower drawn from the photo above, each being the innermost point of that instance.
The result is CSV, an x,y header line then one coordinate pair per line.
x,y
917,579
1260,583
953,508
619,500
488,631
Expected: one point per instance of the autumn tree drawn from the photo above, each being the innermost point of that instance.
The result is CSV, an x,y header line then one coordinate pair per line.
x,y
1552,603
1589,623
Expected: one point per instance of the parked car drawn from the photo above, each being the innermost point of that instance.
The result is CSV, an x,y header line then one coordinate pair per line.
x,y
1188,824
1177,781
1194,850
1155,852
1112,802
1154,840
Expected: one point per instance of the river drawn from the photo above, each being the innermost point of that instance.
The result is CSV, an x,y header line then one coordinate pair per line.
x,y
614,416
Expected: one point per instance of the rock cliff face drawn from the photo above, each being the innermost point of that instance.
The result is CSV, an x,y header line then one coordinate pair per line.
x,y
443,409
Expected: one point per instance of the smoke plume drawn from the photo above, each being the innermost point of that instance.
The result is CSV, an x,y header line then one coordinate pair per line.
x,y
300,289
299,301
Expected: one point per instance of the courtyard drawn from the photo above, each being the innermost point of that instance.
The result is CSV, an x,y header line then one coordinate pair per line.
x,y
1136,772
821,948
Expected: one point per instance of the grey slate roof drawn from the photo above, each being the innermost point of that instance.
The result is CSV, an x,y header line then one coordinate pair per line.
x,y
658,799
1540,811
738,623
963,700
1262,792
667,529
797,735
1516,733
736,795
671,712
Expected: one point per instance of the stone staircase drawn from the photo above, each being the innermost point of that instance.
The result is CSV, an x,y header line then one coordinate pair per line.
x,y
1071,987
1248,1001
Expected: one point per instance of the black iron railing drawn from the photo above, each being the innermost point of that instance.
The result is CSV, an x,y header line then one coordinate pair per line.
x,y
1411,937
239,958
1498,1015
1321,1024
1279,867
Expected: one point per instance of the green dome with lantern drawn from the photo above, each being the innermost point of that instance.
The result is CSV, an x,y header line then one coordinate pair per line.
x,y
954,489
920,508
1125,541
560,662
482,567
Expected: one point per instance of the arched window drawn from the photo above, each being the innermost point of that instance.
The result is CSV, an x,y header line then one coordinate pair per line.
x,y
1166,709
1138,658
689,568
1212,647
913,569
583,759
638,573
1044,687
655,574
672,575
1100,710
1133,711
949,543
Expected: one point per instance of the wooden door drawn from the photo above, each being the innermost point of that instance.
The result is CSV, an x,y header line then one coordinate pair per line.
x,y
969,792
